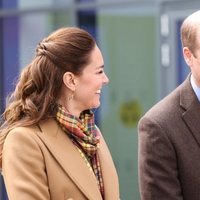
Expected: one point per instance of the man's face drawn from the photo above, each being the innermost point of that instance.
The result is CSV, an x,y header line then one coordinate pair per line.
x,y
193,60
196,67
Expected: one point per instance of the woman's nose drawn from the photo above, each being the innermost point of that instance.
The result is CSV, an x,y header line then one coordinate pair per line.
x,y
106,79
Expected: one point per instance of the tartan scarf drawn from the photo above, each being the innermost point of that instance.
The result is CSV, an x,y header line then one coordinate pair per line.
x,y
84,134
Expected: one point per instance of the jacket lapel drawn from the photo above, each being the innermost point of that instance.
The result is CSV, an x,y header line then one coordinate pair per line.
x,y
110,178
191,105
67,155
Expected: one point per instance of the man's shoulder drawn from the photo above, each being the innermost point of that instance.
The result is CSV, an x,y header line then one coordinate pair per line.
x,y
168,101
166,107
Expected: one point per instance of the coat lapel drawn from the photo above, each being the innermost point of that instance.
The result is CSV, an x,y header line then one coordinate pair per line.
x,y
191,105
110,178
67,155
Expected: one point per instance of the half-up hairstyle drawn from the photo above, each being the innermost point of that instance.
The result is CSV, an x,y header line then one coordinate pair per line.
x,y
38,87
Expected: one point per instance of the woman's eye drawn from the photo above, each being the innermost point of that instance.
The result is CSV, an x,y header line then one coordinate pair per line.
x,y
100,72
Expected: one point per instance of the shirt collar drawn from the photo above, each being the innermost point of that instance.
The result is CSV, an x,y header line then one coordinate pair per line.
x,y
195,87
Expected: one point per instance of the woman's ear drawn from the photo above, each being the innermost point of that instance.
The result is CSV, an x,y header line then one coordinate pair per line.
x,y
188,56
69,80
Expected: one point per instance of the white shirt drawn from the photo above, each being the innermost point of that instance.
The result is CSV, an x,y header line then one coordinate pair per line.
x,y
195,87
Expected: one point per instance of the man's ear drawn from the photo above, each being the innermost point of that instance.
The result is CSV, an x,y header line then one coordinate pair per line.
x,y
69,80
188,56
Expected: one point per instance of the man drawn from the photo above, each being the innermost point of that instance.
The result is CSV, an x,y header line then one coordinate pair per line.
x,y
169,133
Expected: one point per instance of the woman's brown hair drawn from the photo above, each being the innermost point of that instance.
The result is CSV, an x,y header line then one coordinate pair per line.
x,y
38,87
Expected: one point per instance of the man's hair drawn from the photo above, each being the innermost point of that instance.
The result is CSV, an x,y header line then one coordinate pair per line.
x,y
189,31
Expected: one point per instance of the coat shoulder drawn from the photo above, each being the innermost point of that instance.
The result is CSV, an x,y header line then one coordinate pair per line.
x,y
21,139
22,132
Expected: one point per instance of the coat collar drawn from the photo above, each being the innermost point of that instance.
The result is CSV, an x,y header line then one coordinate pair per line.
x,y
191,106
73,164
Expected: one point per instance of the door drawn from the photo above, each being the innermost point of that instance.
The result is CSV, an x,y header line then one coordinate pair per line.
x,y
173,69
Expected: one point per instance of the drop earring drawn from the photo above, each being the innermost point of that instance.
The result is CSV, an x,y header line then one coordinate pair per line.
x,y
71,97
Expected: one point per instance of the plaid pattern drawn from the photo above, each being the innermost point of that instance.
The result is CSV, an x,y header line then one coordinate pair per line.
x,y
85,136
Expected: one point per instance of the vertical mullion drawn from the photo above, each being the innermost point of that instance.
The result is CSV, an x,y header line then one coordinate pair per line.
x,y
86,19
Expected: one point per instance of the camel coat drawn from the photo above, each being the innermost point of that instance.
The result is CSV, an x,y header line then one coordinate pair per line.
x,y
169,147
43,164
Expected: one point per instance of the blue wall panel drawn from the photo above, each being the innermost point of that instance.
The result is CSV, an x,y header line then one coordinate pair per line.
x,y
8,61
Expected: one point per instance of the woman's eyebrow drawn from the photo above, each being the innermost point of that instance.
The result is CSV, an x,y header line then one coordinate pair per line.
x,y
102,66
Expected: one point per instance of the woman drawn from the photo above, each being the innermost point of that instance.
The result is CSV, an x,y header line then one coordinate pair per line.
x,y
50,146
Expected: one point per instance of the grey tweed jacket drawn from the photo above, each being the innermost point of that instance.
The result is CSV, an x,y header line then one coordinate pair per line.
x,y
169,147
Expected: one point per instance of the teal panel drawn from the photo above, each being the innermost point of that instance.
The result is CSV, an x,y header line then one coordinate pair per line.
x,y
129,48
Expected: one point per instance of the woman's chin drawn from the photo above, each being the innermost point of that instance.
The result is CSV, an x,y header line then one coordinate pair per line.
x,y
96,105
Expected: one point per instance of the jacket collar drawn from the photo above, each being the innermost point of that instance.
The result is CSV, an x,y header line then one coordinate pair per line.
x,y
191,106
67,155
